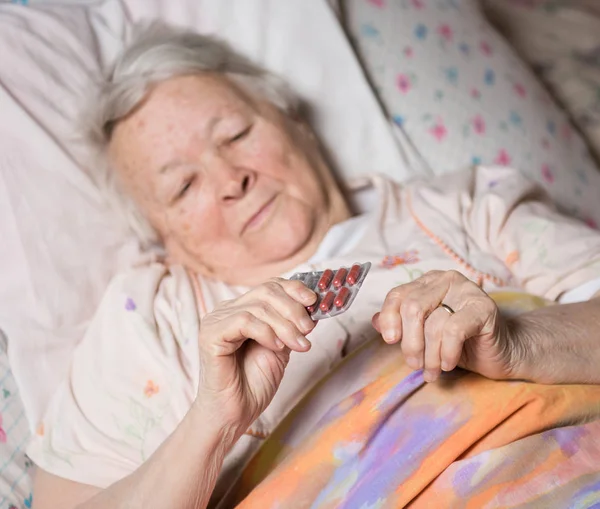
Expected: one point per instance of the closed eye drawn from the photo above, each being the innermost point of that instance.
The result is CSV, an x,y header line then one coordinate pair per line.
x,y
240,135
184,189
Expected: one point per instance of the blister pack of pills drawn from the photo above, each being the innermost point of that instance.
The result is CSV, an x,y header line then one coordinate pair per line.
x,y
335,289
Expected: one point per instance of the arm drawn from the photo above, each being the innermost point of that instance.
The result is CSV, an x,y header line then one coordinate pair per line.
x,y
185,467
234,386
558,344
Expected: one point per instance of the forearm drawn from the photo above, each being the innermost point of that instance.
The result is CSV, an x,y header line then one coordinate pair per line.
x,y
558,344
181,473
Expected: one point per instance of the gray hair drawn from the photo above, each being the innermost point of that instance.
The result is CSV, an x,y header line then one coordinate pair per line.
x,y
155,54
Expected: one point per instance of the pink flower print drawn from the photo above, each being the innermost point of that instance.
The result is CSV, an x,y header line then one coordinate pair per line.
x,y
591,222
512,258
479,125
485,48
445,32
439,131
547,173
407,257
520,90
403,83
377,3
418,4
475,93
566,132
503,159
2,432
408,52
151,389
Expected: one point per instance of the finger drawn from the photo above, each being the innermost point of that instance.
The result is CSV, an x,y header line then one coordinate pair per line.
x,y
415,309
286,297
297,290
433,330
237,329
390,318
285,330
472,320
375,322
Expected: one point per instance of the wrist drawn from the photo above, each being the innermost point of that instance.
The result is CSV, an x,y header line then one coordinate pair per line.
x,y
523,358
210,416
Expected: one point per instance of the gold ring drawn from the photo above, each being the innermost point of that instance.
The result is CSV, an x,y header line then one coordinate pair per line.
x,y
447,308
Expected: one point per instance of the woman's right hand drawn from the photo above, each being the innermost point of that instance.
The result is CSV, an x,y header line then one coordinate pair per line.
x,y
245,345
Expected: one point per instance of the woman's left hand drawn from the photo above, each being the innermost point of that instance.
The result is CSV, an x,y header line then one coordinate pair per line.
x,y
474,337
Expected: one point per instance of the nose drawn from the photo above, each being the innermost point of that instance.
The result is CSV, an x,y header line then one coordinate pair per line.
x,y
233,181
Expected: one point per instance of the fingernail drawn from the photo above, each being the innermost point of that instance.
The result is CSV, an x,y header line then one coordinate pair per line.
x,y
279,344
412,362
307,324
446,366
391,335
429,376
303,342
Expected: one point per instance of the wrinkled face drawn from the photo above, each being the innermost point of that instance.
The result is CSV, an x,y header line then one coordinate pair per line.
x,y
230,182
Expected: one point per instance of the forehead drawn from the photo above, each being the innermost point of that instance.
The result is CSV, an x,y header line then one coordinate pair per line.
x,y
186,96
172,110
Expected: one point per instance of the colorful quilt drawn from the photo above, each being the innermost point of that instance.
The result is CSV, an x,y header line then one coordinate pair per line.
x,y
374,435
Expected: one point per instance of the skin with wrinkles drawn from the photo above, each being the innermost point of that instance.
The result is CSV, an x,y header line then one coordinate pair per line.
x,y
201,158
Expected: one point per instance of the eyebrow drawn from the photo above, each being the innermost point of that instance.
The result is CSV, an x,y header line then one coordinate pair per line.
x,y
209,128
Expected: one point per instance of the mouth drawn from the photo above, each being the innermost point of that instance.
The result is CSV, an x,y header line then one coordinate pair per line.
x,y
260,216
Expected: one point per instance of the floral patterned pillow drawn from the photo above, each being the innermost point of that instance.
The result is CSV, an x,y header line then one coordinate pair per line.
x,y
460,95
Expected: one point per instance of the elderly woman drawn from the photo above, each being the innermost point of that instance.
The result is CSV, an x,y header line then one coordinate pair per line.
x,y
181,374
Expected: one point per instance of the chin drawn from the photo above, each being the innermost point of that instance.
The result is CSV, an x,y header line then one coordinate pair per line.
x,y
286,243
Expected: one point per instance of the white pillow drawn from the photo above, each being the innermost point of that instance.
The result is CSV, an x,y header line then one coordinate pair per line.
x,y
460,95
60,243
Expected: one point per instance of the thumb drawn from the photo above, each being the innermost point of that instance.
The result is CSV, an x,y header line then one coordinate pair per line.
x,y
375,322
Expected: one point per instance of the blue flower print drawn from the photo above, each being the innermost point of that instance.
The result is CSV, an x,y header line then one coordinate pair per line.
x,y
399,120
451,74
421,32
369,30
515,118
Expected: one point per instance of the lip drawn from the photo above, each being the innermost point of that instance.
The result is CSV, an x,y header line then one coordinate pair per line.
x,y
260,216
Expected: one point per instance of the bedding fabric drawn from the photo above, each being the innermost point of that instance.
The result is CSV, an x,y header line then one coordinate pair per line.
x,y
560,40
461,95
374,435
61,243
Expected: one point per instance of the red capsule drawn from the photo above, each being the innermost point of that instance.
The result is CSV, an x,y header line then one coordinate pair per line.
x,y
342,297
327,302
325,280
340,277
353,275
313,307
